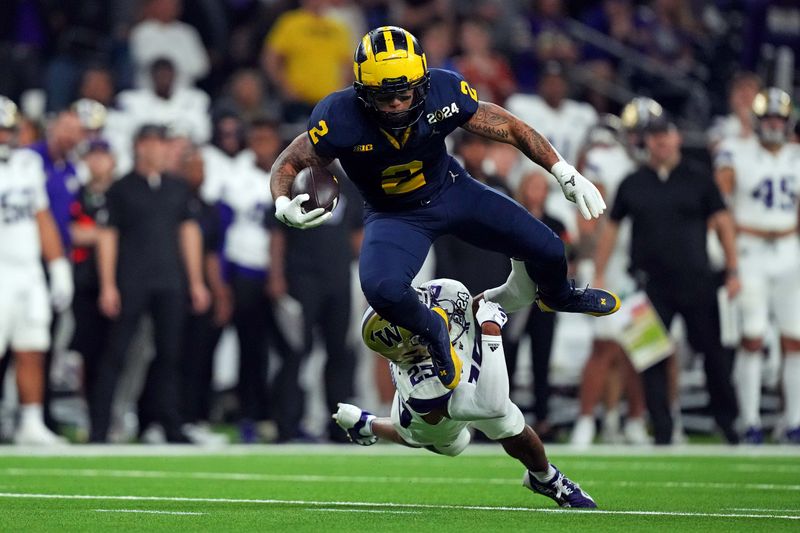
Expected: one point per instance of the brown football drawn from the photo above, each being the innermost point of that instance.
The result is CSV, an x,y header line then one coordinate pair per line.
x,y
320,184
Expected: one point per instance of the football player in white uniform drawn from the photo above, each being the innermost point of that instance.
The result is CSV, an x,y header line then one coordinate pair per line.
x,y
425,414
606,162
27,233
563,121
761,177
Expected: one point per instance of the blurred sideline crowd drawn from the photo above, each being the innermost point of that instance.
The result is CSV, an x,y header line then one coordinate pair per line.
x,y
155,123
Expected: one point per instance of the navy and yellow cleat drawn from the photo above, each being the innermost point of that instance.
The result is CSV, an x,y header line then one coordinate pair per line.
x,y
595,302
561,489
448,365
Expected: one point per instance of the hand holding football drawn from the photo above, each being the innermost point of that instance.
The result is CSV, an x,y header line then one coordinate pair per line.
x,y
320,184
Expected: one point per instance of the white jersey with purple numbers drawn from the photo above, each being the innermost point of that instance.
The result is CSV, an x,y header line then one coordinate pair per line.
x,y
22,195
608,166
246,192
24,303
766,184
419,390
765,198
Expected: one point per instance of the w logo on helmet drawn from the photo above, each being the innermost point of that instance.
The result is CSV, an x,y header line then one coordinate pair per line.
x,y
390,335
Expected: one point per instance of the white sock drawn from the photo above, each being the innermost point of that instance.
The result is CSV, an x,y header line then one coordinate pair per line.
x,y
611,421
517,292
547,475
748,387
791,389
31,413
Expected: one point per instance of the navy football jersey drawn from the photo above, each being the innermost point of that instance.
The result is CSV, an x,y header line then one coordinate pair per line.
x,y
393,173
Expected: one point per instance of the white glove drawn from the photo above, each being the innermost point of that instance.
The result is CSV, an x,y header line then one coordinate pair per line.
x,y
61,285
290,213
491,312
579,190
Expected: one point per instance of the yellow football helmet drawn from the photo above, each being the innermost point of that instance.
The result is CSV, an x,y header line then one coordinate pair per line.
x,y
773,102
389,60
392,342
9,114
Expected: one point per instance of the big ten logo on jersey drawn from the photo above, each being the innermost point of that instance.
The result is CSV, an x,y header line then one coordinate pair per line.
x,y
441,114
16,205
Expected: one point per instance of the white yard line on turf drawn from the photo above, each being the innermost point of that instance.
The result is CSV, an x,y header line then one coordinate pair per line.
x,y
688,450
146,511
304,478
762,510
384,505
381,511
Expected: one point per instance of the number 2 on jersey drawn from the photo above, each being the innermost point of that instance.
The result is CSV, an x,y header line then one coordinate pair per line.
x,y
400,179
318,131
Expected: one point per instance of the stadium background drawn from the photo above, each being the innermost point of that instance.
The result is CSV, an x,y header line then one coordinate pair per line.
x,y
683,54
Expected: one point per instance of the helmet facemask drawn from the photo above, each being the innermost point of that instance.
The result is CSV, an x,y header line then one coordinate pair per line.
x,y
396,120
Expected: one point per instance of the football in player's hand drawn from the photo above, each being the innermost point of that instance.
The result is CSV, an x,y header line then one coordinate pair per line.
x,y
320,184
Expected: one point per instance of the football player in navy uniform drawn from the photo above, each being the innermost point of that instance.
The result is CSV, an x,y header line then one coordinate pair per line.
x,y
388,132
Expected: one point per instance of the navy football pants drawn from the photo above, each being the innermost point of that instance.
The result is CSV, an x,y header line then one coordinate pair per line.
x,y
396,244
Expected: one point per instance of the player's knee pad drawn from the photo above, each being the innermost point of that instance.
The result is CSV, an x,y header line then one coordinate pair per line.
x,y
509,425
455,447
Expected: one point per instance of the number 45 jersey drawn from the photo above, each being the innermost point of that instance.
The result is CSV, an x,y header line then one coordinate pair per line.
x,y
767,184
394,172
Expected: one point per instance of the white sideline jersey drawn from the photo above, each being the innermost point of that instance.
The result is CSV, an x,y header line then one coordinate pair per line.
x,y
186,110
24,304
608,166
22,195
247,193
565,127
767,185
419,389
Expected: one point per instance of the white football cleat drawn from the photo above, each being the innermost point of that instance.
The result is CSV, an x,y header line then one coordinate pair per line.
x,y
356,422
583,432
37,434
635,432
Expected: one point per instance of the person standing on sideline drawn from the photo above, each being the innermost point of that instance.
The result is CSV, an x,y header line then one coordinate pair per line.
x,y
671,203
28,234
149,233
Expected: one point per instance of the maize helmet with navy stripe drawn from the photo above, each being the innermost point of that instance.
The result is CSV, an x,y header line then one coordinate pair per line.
x,y
390,60
773,102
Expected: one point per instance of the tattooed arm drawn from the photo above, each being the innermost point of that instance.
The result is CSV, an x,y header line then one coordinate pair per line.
x,y
297,156
495,123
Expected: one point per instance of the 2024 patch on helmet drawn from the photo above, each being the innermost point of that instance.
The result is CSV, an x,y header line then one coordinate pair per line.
x,y
387,61
392,342
773,102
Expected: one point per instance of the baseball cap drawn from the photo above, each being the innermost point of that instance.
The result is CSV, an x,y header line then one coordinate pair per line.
x,y
659,124
151,130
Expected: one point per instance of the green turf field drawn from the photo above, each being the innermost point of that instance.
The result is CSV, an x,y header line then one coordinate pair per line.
x,y
385,488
